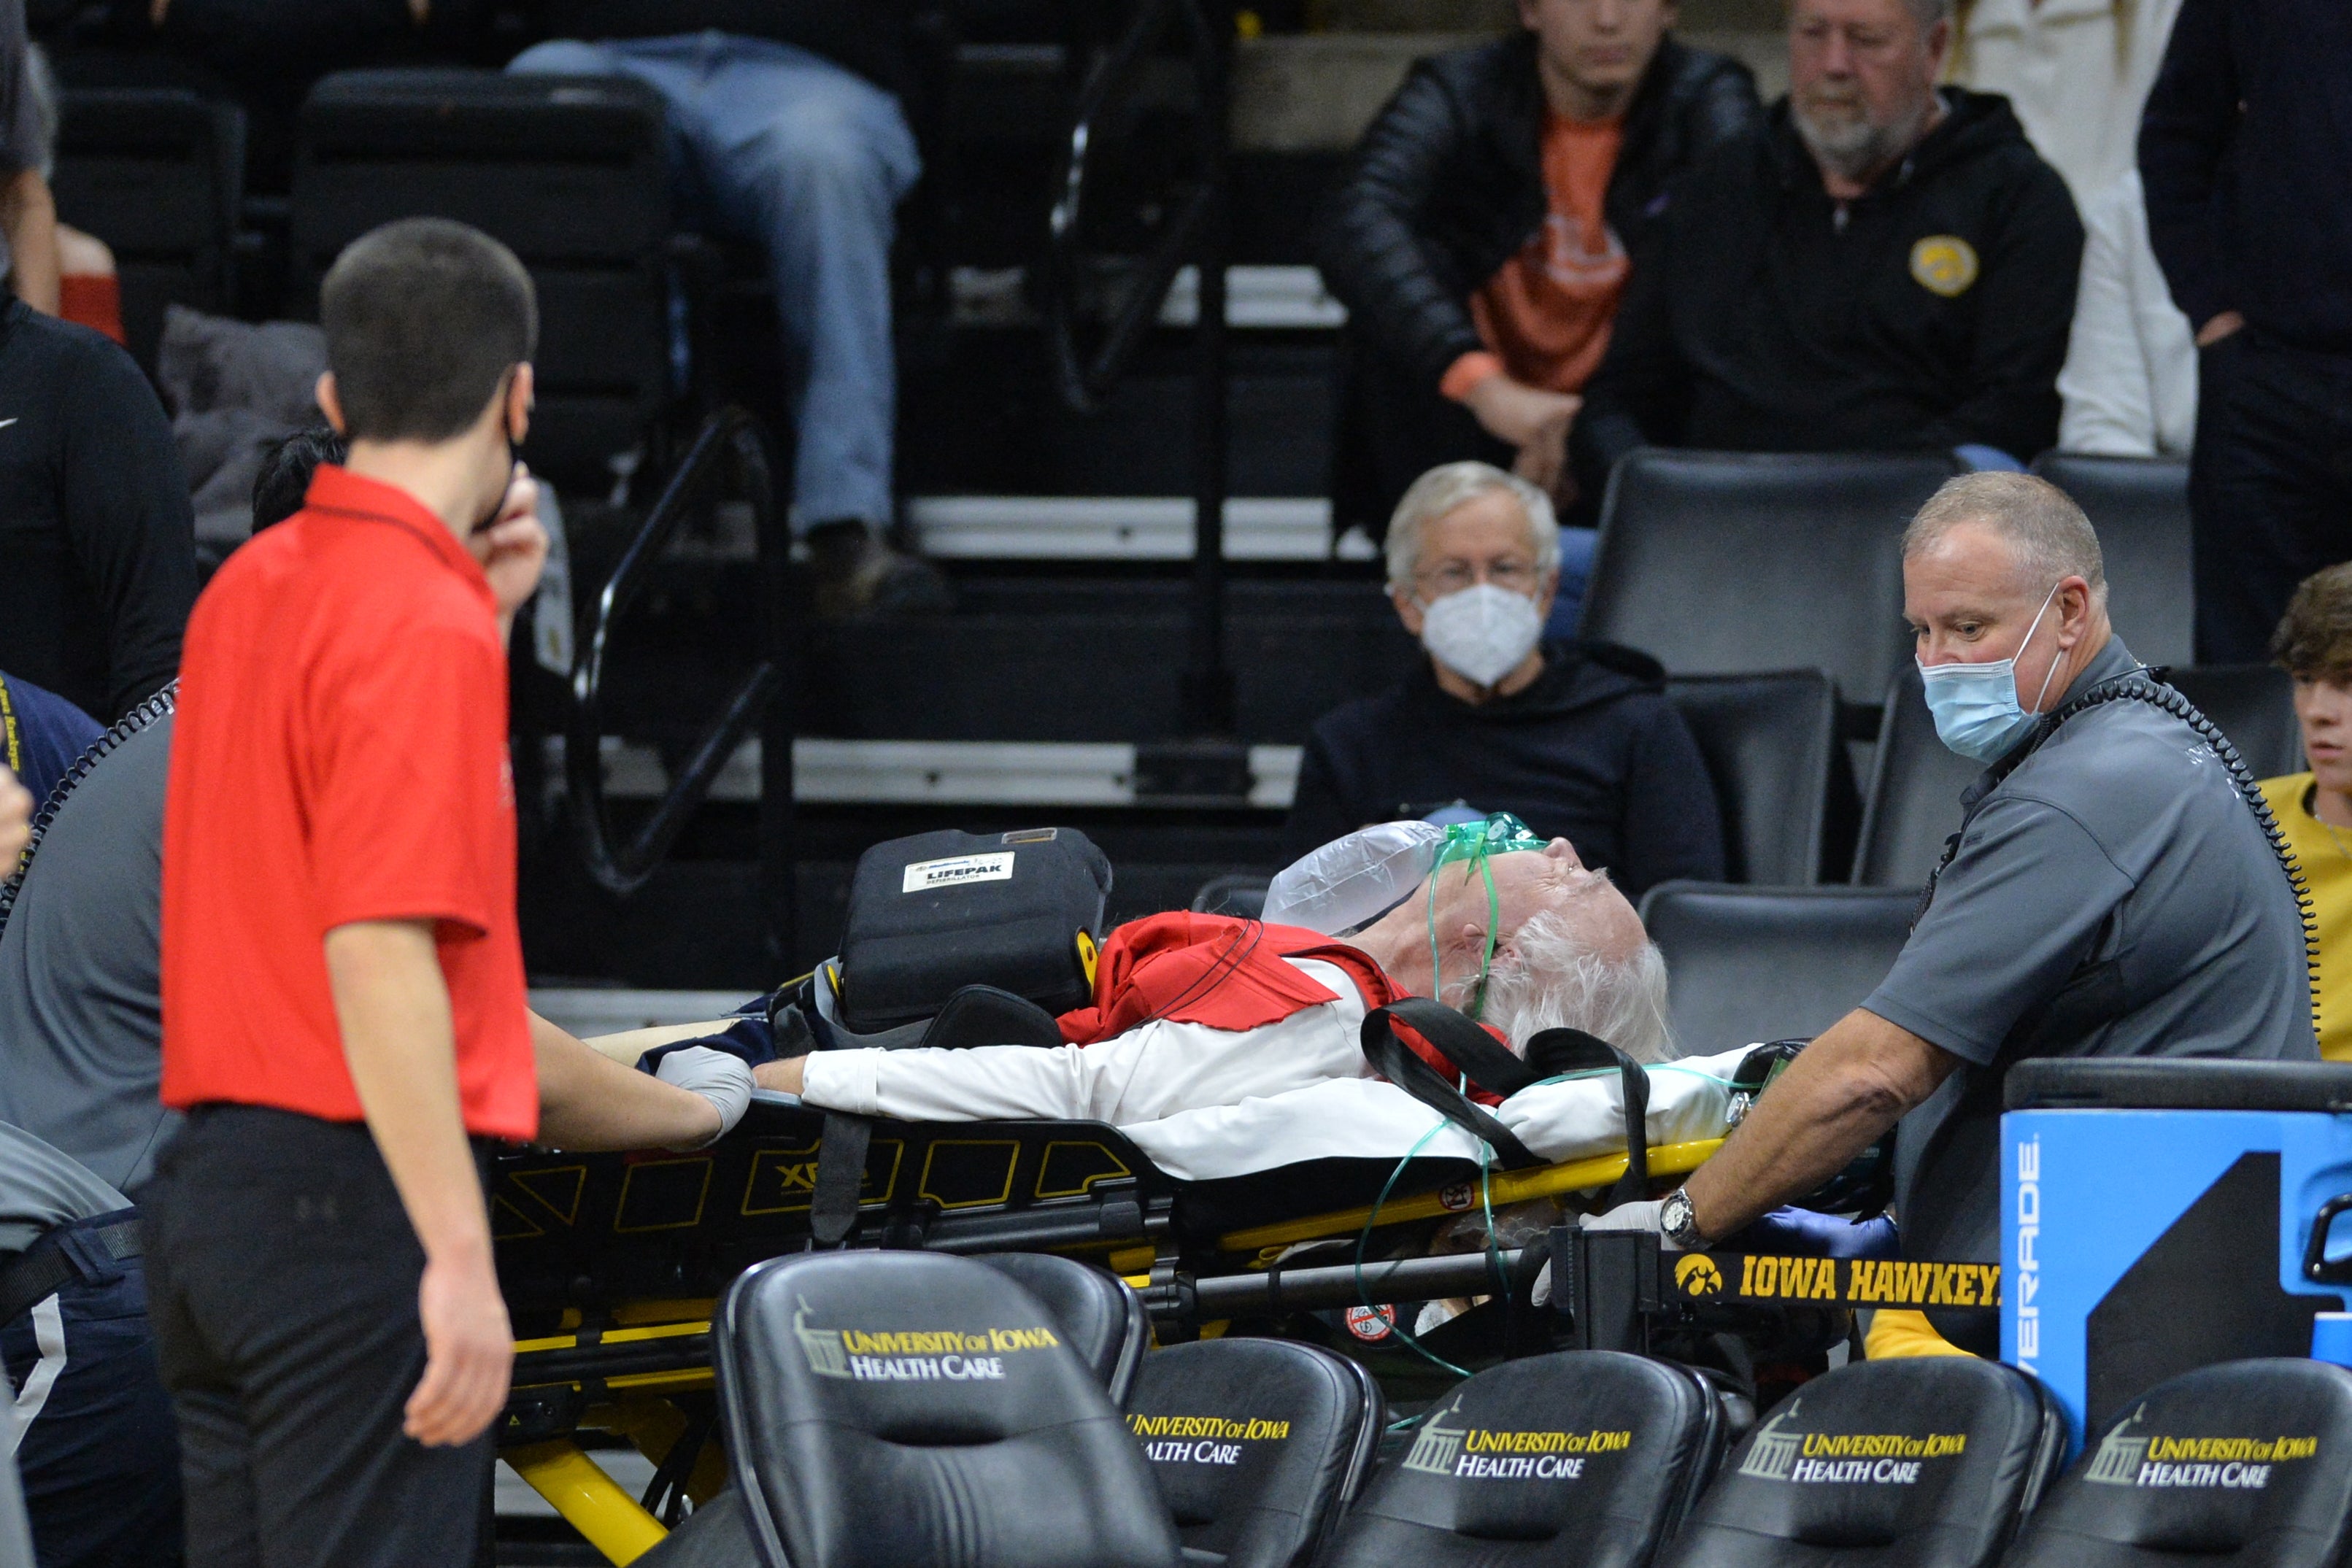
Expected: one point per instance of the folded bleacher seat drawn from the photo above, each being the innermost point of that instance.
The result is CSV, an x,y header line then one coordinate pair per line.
x,y
1094,1312
1884,1464
1582,1459
885,1409
1257,1444
2249,1463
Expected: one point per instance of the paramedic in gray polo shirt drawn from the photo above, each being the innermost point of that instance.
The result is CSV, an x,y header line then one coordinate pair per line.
x,y
2112,894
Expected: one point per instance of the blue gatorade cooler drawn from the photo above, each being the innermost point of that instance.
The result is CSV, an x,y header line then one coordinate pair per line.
x,y
2163,1215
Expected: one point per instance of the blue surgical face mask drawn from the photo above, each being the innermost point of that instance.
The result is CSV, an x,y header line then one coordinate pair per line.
x,y
1975,707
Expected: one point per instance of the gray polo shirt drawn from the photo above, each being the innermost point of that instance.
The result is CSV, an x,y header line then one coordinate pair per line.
x,y
81,1025
2112,896
41,1189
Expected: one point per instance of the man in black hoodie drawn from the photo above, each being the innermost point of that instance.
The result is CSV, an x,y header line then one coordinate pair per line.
x,y
1576,740
1884,267
1480,240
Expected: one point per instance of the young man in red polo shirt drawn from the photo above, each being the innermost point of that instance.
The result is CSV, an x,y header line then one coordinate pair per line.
x,y
343,995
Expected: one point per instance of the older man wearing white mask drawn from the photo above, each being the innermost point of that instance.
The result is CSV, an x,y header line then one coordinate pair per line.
x,y
1577,739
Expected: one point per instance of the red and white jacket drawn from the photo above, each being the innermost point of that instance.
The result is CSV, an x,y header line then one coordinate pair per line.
x,y
1189,1012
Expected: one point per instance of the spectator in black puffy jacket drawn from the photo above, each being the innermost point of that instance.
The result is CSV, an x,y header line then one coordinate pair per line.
x,y
1480,240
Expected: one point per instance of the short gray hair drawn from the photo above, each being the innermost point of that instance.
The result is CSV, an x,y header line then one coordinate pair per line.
x,y
1451,485
2047,532
1557,981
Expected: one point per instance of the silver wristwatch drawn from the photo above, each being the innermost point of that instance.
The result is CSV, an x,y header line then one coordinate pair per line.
x,y
1678,1224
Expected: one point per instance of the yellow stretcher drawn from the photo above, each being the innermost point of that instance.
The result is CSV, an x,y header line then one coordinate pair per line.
x,y
613,1263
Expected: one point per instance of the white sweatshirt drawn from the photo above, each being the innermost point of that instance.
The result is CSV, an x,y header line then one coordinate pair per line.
x,y
1144,1075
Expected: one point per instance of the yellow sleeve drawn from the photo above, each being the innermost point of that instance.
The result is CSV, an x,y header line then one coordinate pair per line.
x,y
1894,1331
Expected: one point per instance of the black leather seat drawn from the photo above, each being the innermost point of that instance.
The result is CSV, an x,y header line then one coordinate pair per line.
x,y
2254,706
1094,1312
2139,507
1940,1456
890,1408
1913,802
1579,1459
1236,893
1720,563
1258,1445
158,174
2242,1463
568,172
1768,740
1771,963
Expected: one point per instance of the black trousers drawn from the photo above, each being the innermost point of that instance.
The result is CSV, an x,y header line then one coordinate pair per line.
x,y
2270,490
1394,428
282,1279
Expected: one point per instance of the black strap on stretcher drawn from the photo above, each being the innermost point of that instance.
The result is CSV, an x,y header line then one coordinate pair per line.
x,y
40,1269
1491,1067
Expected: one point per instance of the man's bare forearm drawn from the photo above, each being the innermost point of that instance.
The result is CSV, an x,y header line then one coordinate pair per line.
x,y
393,1008
28,215
1848,1087
589,1100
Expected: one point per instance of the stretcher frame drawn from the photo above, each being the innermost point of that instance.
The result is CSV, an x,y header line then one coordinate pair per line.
x,y
613,1263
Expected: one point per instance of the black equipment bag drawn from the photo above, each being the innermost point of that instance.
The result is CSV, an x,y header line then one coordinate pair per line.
x,y
935,912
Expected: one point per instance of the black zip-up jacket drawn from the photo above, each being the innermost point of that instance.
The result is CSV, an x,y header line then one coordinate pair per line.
x,y
2244,152
98,554
1447,184
1592,752
1765,316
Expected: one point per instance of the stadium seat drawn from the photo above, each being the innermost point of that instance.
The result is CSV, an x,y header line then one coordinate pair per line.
x,y
1238,893
2140,508
1913,801
1578,1460
2241,1463
158,174
567,171
1723,563
1258,1445
1768,740
1942,1456
857,1437
2254,706
1771,963
1095,1313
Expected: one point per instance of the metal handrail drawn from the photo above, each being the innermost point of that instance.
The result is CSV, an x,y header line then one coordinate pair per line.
x,y
1084,380
730,434
1195,233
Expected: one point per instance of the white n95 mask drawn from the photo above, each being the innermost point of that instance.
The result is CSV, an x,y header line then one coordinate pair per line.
x,y
1975,707
1482,632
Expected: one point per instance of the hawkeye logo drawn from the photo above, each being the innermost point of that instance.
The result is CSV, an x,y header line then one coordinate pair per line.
x,y
1697,1275
1835,1458
2154,1459
1477,1453
1203,1439
919,1356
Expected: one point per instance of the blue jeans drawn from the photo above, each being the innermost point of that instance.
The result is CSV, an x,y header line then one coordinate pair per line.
x,y
784,149
1575,576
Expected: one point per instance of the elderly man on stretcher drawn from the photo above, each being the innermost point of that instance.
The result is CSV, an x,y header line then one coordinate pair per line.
x,y
1223,1045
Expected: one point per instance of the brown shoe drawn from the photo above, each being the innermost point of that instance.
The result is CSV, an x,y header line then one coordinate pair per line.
x,y
855,573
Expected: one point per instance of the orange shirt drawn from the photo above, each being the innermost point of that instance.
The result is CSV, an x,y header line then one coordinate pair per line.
x,y
1545,314
339,756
